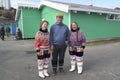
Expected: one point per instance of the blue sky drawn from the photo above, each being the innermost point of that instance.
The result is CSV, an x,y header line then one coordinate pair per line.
x,y
99,3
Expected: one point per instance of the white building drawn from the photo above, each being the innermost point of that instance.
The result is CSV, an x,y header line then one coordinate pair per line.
x,y
6,4
1,3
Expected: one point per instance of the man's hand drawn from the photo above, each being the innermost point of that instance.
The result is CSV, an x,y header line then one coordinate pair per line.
x,y
66,42
51,49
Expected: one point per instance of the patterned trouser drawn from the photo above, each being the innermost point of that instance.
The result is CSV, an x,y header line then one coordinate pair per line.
x,y
78,56
43,61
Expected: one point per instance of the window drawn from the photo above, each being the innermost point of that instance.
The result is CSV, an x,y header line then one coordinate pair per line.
x,y
113,17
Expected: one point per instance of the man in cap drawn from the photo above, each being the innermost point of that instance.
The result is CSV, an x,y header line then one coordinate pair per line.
x,y
59,37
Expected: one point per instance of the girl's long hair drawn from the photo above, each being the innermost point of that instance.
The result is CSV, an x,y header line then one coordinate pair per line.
x,y
42,24
76,30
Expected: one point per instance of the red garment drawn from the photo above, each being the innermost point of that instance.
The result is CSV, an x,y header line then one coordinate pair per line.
x,y
42,40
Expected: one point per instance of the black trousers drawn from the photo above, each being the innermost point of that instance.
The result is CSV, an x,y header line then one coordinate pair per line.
x,y
79,54
45,55
58,55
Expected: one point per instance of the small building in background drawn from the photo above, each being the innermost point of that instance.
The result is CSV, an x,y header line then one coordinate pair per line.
x,y
13,27
5,4
1,3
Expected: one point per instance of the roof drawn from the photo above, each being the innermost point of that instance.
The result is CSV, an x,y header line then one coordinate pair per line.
x,y
78,7
24,5
28,5
66,7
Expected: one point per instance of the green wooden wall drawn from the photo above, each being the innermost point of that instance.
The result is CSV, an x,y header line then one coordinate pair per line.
x,y
20,23
50,15
96,26
30,20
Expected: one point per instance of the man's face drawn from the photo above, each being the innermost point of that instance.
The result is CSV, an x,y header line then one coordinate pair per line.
x,y
59,19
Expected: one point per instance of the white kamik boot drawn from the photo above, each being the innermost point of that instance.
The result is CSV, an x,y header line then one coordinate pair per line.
x,y
41,74
80,67
72,65
45,71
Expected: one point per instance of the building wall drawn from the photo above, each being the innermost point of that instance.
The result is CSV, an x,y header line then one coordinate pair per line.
x,y
6,4
50,15
96,26
13,28
1,3
20,23
30,20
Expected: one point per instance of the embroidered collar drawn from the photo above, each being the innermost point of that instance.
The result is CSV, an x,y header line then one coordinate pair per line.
x,y
43,30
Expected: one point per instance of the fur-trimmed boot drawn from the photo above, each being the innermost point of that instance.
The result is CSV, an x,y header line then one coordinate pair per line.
x,y
80,67
45,71
40,69
72,66
40,73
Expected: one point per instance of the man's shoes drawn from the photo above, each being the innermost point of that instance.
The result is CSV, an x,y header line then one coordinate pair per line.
x,y
61,70
54,73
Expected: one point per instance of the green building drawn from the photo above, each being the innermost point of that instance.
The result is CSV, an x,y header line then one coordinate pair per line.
x,y
96,22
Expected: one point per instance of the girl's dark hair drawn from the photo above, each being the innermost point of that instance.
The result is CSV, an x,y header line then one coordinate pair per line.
x,y
42,23
75,23
76,30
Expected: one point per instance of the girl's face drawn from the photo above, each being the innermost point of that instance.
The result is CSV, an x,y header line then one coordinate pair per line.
x,y
44,26
74,26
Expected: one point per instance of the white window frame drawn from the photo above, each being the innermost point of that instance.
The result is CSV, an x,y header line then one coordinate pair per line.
x,y
113,17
